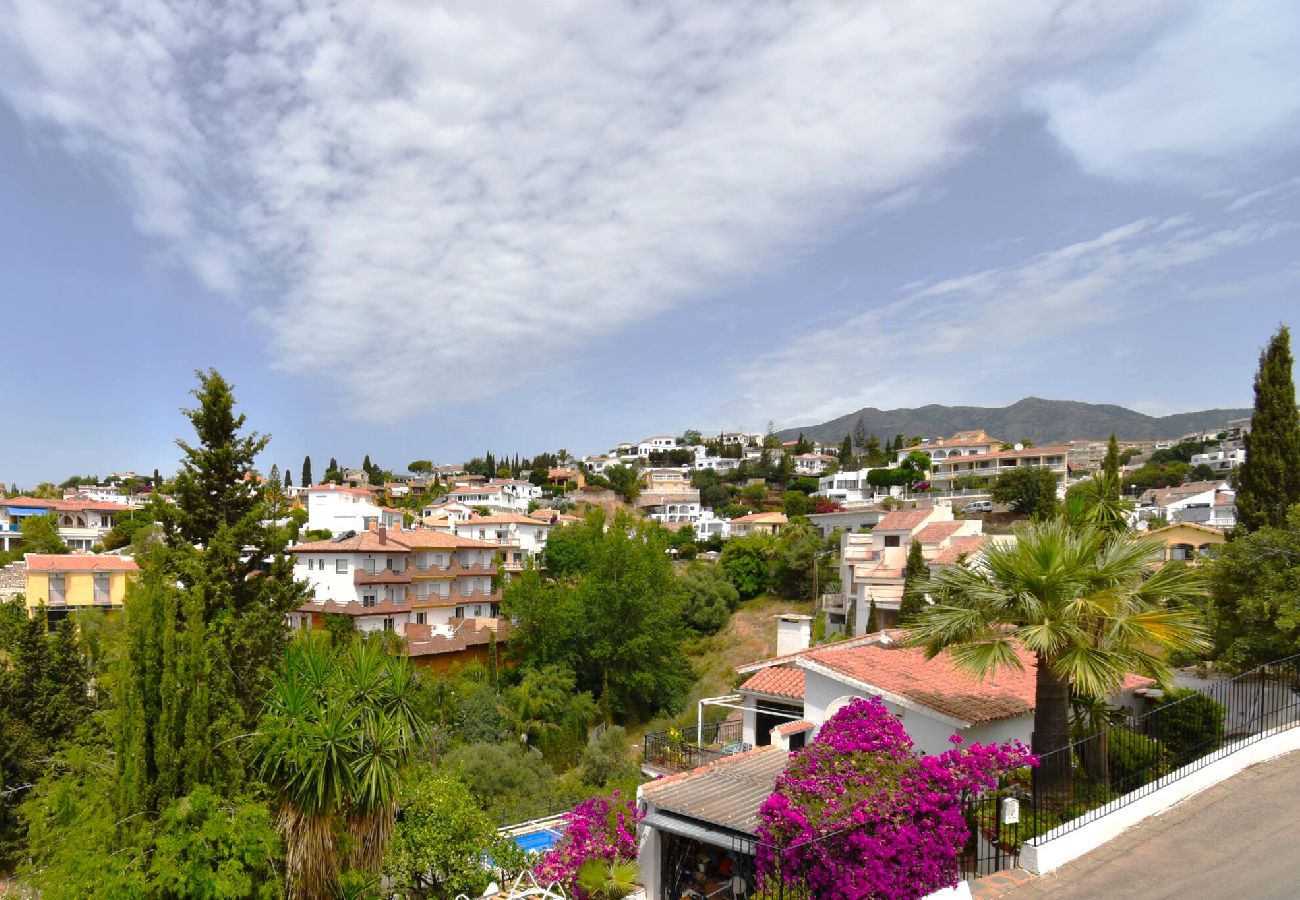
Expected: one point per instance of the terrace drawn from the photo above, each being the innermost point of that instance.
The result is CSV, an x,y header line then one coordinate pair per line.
x,y
680,750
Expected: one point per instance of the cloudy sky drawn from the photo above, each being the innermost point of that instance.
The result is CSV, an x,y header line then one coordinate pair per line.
x,y
421,230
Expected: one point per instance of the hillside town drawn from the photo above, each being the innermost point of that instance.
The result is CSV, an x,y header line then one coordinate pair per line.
x,y
553,695
623,450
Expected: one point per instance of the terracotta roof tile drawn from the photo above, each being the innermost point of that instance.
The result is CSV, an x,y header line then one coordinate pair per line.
x,y
938,532
779,681
78,562
950,555
795,727
903,520
361,542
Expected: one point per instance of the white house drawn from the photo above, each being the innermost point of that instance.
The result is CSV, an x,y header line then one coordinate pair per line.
x,y
708,525
1220,460
872,565
1171,502
945,470
338,508
963,443
848,487
81,521
813,463
520,538
499,496
655,444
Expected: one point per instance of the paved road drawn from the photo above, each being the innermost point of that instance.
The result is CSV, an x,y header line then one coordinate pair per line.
x,y
1240,839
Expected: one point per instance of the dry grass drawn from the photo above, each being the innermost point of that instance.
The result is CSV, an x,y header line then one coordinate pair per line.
x,y
749,636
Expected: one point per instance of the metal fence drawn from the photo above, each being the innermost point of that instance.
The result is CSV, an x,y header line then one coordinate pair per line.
x,y
687,748
1124,760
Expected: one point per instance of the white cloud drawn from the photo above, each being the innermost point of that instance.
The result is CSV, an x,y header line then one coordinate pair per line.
x,y
940,339
1218,91
429,202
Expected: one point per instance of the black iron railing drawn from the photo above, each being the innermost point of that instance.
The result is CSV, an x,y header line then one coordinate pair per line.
x,y
1123,761
681,749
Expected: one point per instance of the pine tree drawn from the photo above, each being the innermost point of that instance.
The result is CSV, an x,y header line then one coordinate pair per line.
x,y
914,573
306,481
157,480
205,619
872,627
846,450
889,450
860,434
1268,482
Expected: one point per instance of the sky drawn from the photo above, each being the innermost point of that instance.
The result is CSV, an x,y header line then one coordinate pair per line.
x,y
419,230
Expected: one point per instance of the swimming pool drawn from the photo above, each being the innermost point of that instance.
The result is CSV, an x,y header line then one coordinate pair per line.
x,y
537,841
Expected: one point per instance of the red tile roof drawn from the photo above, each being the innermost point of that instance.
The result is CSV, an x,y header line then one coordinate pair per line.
x,y
71,505
950,555
430,539
795,727
361,542
764,518
466,633
501,519
779,681
78,562
1053,450
903,520
936,684
938,532
340,489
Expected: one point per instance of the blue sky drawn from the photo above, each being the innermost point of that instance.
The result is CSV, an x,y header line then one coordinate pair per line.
x,y
418,230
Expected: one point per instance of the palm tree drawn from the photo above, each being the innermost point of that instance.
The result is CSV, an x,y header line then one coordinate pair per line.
x,y
339,728
1089,604
603,880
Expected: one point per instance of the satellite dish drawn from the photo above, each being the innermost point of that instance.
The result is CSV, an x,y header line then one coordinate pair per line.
x,y
1019,446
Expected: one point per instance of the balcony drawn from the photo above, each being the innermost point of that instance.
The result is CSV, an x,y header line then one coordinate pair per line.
x,y
666,752
454,568
837,604
382,576
456,598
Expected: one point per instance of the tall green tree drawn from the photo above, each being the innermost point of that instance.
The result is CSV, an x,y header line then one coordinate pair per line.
x,y
1086,605
860,436
915,573
41,535
1255,613
1268,482
1030,490
616,623
1110,465
846,451
305,480
625,482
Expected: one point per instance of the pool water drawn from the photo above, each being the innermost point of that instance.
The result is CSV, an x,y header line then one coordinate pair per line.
x,y
537,841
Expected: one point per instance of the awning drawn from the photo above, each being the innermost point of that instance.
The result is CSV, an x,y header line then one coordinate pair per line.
x,y
25,510
724,838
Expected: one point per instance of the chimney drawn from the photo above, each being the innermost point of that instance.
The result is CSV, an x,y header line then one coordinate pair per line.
x,y
793,633
383,535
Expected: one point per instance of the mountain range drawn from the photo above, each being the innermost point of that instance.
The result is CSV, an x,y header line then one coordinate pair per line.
x,y
1033,418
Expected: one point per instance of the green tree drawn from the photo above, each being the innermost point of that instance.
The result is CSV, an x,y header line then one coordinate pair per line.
x,y
796,503
1268,482
1086,604
339,728
860,436
306,481
1031,491
625,482
41,535
500,775
438,843
547,707
746,561
801,444
711,598
1255,611
846,451
615,623
1110,465
420,466
915,574
607,759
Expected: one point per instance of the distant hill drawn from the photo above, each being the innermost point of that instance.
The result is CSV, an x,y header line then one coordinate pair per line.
x,y
1041,421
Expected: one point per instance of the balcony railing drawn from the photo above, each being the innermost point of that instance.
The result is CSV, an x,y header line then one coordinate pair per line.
x,y
381,576
680,750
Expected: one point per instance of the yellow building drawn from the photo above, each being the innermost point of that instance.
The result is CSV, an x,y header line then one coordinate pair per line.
x,y
1188,540
77,581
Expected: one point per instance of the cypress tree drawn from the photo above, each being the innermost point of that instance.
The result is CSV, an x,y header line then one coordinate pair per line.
x,y
915,572
306,481
846,450
1110,468
288,478
1268,482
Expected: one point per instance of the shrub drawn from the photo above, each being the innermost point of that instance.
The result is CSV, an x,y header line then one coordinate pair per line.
x,y
859,814
1135,759
500,775
710,597
746,567
602,829
1189,724
607,758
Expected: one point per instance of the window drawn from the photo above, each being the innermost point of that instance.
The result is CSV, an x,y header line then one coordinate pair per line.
x,y
419,618
56,589
341,566
478,611
460,612
320,564
893,540
369,600
388,623
371,566
101,588
311,564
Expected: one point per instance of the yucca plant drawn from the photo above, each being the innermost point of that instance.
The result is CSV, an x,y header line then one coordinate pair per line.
x,y
338,730
1090,604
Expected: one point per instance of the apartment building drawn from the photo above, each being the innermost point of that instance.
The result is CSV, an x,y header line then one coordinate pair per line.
x,y
947,469
963,443
520,538
813,463
385,580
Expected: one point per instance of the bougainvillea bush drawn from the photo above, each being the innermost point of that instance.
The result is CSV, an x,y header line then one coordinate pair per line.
x,y
859,814
602,828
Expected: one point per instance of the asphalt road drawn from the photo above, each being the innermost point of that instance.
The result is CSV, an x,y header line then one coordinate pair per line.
x,y
1240,839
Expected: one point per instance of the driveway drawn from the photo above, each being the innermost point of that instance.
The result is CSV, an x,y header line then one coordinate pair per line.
x,y
1236,840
